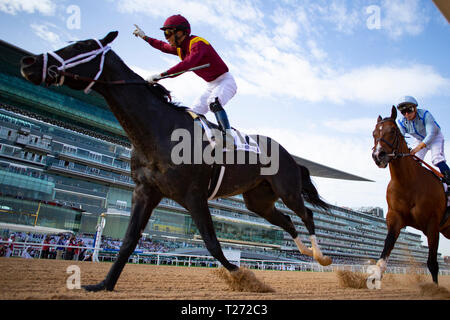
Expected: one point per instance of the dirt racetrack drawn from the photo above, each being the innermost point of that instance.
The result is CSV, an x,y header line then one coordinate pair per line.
x,y
22,279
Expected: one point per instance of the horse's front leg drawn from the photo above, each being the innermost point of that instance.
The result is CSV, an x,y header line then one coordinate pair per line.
x,y
432,263
394,226
145,199
199,210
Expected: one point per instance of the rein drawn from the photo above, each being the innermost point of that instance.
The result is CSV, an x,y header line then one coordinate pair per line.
x,y
395,154
87,79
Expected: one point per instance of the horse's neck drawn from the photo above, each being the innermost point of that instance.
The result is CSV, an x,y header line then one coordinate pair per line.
x,y
403,169
137,110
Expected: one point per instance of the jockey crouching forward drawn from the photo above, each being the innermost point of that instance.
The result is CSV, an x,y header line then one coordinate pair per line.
x,y
195,51
420,124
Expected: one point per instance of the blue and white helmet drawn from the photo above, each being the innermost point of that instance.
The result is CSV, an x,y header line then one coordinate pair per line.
x,y
406,101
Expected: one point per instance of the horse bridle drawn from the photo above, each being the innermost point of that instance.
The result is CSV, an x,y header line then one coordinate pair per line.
x,y
394,145
54,71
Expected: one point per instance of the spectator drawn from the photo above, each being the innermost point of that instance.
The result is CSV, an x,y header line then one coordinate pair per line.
x,y
70,251
10,246
81,250
45,248
52,250
60,248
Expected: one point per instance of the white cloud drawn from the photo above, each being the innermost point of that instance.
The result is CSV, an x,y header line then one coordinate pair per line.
x,y
361,126
344,19
402,17
45,7
184,89
281,54
43,32
232,18
349,154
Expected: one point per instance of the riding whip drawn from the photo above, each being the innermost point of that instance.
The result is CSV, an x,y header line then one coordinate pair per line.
x,y
123,82
181,72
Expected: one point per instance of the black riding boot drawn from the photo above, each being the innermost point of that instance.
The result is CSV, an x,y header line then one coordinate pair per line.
x,y
446,180
221,115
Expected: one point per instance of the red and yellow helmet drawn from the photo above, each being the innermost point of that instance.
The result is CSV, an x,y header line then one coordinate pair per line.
x,y
177,22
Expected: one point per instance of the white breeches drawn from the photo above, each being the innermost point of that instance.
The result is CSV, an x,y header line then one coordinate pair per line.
x,y
224,88
436,147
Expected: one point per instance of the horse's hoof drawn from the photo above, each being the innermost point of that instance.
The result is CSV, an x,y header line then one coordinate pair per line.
x,y
325,261
95,287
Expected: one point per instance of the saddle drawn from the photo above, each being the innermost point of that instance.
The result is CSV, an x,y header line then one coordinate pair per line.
x,y
241,142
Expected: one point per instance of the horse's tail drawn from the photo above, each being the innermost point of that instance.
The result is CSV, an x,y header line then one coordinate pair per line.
x,y
309,191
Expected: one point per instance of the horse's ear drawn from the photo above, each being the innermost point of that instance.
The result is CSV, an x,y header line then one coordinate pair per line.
x,y
379,119
109,37
394,113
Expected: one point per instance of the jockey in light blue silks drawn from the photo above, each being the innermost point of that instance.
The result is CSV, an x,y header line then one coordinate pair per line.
x,y
427,135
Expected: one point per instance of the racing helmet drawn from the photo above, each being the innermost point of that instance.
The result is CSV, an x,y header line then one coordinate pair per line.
x,y
177,22
406,101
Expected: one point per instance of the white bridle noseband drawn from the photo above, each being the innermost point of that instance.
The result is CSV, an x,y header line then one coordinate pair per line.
x,y
72,62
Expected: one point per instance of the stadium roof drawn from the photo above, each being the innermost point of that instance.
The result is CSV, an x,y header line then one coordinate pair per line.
x,y
444,7
319,170
32,229
10,63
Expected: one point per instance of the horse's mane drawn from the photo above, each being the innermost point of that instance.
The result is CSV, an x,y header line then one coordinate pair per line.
x,y
163,95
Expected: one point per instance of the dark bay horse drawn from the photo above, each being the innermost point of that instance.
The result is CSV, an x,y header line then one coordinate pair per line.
x,y
149,121
415,196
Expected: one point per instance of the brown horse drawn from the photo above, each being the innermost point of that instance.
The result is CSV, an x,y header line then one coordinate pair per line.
x,y
415,196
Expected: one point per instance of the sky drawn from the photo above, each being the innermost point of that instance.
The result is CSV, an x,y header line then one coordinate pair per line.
x,y
312,74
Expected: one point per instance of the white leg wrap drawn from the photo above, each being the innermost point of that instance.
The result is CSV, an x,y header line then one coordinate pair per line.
x,y
315,246
382,265
317,254
303,249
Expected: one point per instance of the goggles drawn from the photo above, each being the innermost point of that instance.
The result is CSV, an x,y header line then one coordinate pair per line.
x,y
168,33
409,109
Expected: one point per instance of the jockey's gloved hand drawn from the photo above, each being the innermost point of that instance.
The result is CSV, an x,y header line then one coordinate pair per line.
x,y
154,78
138,32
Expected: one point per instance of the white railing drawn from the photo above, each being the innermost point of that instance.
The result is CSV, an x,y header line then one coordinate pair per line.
x,y
175,259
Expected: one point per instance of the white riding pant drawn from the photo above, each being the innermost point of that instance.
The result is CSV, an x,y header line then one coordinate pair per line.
x,y
436,147
224,88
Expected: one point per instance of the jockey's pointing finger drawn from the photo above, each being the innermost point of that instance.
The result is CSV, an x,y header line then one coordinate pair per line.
x,y
138,32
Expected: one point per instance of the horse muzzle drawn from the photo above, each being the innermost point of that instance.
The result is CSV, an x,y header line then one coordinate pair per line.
x,y
381,158
30,70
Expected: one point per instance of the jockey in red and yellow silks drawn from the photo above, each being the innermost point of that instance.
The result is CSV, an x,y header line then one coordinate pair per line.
x,y
195,51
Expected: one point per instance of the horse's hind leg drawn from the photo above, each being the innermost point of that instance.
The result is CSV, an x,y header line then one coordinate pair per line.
x,y
295,202
287,185
261,200
199,210
145,199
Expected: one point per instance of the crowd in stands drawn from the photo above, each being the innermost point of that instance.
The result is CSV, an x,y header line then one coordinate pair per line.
x,y
64,246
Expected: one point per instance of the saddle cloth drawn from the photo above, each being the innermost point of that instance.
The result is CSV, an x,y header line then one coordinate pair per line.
x,y
242,141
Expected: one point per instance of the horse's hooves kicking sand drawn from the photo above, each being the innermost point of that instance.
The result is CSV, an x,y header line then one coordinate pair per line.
x,y
242,280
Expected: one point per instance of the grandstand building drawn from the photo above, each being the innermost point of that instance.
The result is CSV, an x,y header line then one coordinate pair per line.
x,y
64,160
